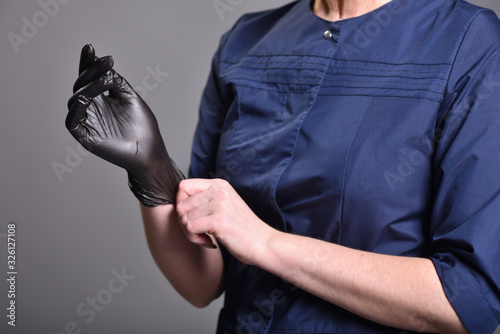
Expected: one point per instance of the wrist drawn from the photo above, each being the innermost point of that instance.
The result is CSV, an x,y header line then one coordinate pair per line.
x,y
265,253
156,184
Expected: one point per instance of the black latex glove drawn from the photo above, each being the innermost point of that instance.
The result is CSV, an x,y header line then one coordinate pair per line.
x,y
108,118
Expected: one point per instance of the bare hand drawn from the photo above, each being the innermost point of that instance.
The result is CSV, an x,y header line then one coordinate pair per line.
x,y
213,207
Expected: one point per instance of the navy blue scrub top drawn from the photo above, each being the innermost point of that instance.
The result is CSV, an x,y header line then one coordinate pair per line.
x,y
379,133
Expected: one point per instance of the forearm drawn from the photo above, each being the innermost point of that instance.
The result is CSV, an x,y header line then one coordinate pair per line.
x,y
195,272
395,291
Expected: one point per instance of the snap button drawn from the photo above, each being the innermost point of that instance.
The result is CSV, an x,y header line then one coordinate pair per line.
x,y
327,34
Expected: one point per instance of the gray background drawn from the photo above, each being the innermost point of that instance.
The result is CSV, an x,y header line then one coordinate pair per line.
x,y
75,229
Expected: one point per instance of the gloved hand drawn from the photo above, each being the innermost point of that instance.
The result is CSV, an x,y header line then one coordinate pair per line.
x,y
110,120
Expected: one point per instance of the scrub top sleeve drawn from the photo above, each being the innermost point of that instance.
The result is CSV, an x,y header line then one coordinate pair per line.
x,y
212,113
465,223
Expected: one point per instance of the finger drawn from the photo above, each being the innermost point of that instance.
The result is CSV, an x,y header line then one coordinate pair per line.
x,y
202,225
76,116
95,88
121,88
203,208
201,219
87,57
190,187
94,71
188,221
191,203
203,240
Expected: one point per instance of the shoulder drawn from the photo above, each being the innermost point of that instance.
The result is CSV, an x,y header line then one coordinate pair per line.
x,y
472,16
476,30
263,20
486,23
479,38
250,28
449,10
431,31
267,16
460,17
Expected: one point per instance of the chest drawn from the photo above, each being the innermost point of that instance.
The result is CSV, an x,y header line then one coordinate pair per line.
x,y
331,144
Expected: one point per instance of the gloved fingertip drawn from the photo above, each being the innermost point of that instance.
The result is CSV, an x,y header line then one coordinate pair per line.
x,y
89,49
76,115
87,57
108,60
105,64
83,100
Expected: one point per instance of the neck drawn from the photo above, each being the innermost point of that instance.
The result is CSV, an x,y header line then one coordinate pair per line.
x,y
334,10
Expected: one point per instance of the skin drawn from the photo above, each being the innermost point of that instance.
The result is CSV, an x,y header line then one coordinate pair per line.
x,y
400,292
334,10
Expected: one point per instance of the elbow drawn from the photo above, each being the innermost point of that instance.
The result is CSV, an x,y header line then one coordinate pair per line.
x,y
200,302
205,297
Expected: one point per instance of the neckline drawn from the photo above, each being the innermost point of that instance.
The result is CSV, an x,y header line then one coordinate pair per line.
x,y
311,4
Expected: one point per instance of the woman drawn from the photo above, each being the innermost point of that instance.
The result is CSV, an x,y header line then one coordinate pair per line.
x,y
360,145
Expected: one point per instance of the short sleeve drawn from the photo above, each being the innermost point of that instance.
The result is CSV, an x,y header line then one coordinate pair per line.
x,y
465,223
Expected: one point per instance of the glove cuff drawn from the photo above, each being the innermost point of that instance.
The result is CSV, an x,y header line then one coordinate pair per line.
x,y
158,187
